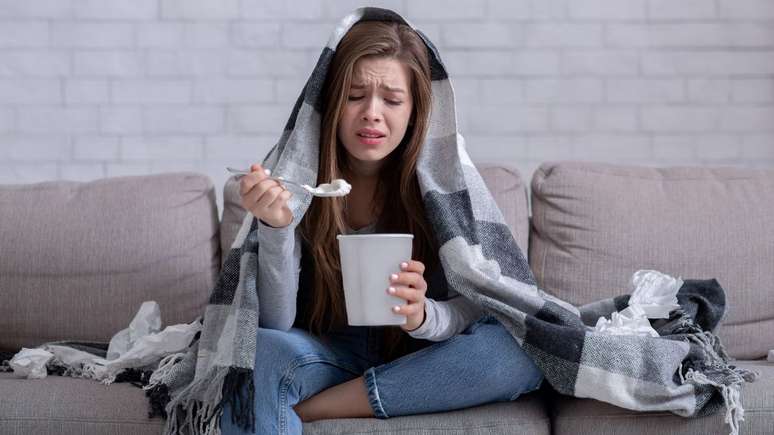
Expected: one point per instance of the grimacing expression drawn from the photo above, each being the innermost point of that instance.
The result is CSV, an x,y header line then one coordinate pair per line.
x,y
377,109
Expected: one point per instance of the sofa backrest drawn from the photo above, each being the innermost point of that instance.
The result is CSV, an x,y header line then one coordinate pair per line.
x,y
504,183
77,259
595,224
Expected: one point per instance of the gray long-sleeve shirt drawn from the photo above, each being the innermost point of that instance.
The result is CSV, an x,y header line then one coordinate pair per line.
x,y
278,287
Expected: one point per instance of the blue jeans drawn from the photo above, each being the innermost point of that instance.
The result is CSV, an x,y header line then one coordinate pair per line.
x,y
482,364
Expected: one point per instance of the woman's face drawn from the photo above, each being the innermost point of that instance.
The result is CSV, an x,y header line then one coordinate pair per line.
x,y
377,111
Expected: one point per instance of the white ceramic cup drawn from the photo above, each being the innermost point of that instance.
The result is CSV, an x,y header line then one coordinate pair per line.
x,y
367,261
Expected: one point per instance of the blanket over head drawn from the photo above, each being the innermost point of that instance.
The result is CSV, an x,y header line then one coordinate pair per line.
x,y
683,371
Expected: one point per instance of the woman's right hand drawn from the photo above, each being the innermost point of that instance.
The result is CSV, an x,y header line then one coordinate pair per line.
x,y
265,197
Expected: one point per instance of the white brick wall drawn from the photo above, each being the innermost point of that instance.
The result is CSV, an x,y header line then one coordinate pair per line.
x,y
101,88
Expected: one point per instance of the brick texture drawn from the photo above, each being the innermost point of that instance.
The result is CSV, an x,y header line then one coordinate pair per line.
x,y
102,88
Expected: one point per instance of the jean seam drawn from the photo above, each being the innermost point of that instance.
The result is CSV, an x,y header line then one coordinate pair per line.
x,y
373,394
289,375
370,375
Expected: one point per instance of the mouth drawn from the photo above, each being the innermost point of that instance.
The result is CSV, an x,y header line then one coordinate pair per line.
x,y
370,138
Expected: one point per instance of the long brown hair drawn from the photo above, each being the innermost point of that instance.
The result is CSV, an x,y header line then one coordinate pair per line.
x,y
397,185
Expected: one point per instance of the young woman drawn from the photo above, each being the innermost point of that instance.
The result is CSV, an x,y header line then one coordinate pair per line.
x,y
310,364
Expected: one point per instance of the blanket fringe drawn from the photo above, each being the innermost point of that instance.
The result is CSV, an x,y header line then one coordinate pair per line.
x,y
242,402
729,378
165,366
158,396
731,398
156,390
187,411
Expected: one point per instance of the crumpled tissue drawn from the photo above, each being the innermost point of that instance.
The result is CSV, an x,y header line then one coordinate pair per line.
x,y
653,296
140,345
30,363
146,321
655,293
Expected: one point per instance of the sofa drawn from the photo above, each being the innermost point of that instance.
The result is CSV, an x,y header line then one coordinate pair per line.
x,y
77,260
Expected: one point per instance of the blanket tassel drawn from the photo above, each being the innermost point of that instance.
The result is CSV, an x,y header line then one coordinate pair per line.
x,y
731,399
731,390
184,412
242,402
156,390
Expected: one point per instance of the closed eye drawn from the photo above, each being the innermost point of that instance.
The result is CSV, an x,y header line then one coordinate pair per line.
x,y
392,102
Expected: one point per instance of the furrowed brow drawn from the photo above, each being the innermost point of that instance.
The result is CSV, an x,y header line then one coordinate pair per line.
x,y
389,88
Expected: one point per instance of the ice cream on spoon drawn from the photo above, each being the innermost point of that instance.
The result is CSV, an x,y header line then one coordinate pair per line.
x,y
337,187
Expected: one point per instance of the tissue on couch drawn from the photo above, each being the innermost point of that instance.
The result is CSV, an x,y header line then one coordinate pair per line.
x,y
30,363
653,296
138,346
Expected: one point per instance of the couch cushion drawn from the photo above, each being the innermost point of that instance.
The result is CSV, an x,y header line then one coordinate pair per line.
x,y
526,415
504,182
586,416
595,224
77,259
65,405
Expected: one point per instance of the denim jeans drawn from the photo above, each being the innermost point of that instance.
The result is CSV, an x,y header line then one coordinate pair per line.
x,y
482,364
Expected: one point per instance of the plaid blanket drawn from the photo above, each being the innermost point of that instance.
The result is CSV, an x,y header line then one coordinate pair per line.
x,y
684,371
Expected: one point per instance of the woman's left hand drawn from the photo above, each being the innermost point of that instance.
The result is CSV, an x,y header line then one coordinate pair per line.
x,y
409,284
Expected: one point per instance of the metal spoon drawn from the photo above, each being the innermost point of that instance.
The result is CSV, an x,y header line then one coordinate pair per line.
x,y
245,172
316,191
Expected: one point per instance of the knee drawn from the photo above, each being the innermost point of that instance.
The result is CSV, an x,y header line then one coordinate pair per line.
x,y
509,366
275,350
271,342
524,374
526,383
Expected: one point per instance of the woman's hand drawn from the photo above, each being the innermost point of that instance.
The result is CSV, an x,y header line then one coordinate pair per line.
x,y
265,198
410,285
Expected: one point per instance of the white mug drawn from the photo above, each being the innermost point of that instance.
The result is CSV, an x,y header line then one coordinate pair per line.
x,y
367,261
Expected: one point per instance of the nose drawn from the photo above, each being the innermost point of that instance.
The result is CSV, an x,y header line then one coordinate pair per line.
x,y
371,111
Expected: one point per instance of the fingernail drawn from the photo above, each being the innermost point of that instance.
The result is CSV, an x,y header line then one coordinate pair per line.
x,y
391,290
396,308
393,276
403,265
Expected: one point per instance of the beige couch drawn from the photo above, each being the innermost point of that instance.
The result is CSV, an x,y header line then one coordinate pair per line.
x,y
77,259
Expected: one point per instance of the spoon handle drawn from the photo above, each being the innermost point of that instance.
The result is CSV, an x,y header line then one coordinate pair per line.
x,y
280,179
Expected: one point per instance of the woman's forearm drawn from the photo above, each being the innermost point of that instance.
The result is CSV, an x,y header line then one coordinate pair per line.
x,y
277,278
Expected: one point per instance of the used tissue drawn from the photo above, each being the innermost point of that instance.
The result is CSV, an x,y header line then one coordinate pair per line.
x,y
655,293
653,296
139,345
631,321
30,363
146,321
